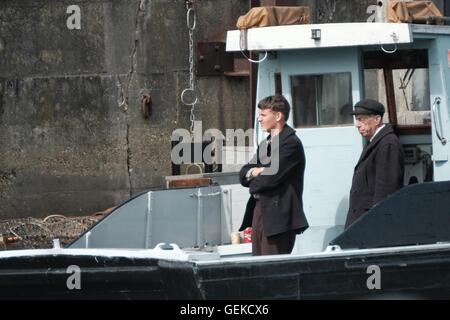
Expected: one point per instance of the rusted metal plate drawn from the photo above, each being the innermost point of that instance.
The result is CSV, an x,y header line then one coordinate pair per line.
x,y
212,59
182,183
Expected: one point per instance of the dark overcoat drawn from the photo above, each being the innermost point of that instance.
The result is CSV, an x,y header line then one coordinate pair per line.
x,y
280,192
378,173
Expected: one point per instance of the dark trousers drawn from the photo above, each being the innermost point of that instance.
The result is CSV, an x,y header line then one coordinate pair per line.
x,y
262,245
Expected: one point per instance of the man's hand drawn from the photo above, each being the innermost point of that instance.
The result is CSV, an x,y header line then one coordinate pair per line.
x,y
256,171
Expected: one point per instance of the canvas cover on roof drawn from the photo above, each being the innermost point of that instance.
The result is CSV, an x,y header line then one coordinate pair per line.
x,y
411,11
273,16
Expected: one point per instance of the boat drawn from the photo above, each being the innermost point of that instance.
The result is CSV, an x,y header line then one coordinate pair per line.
x,y
174,243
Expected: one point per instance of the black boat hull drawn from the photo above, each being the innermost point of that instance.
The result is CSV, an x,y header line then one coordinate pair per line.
x,y
406,273
53,277
418,274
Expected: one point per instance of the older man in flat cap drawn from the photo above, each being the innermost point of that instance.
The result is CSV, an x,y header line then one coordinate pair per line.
x,y
380,168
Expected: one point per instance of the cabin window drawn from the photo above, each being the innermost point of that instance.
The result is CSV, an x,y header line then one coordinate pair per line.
x,y
322,99
411,93
401,82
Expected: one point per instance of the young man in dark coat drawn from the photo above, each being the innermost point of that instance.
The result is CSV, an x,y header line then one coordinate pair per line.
x,y
380,168
275,179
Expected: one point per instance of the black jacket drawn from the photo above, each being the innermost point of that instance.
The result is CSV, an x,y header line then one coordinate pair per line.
x,y
281,192
378,173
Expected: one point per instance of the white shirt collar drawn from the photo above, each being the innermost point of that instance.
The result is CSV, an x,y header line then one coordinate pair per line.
x,y
378,130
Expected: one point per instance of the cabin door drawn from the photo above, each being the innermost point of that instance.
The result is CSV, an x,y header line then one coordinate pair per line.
x,y
439,68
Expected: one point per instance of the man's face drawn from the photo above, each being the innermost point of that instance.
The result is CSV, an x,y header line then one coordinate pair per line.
x,y
268,119
367,124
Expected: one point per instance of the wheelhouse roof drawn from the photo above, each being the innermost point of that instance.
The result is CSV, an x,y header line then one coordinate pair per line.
x,y
331,35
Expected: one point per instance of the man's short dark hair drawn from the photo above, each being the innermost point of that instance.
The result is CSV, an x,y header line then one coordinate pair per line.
x,y
276,103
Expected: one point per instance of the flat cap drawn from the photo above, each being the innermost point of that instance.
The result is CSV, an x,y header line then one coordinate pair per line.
x,y
368,106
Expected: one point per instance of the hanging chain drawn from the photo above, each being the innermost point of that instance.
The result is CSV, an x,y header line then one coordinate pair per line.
x,y
190,15
191,69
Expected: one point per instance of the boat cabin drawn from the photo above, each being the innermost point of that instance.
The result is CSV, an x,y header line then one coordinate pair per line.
x,y
323,70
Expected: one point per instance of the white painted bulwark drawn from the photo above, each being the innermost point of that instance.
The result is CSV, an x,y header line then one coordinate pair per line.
x,y
332,35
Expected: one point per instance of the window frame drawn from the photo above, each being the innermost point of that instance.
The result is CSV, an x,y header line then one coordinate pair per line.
x,y
401,59
350,82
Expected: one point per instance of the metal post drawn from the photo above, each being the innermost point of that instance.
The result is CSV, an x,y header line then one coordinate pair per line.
x,y
148,222
200,238
86,237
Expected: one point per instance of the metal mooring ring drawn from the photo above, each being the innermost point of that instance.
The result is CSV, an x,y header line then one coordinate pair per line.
x,y
183,97
389,51
188,19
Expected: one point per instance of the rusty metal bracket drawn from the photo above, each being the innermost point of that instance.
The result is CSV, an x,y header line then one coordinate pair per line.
x,y
189,3
146,106
212,59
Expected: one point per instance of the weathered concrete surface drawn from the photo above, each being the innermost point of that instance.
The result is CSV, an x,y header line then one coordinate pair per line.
x,y
72,136
61,143
63,135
